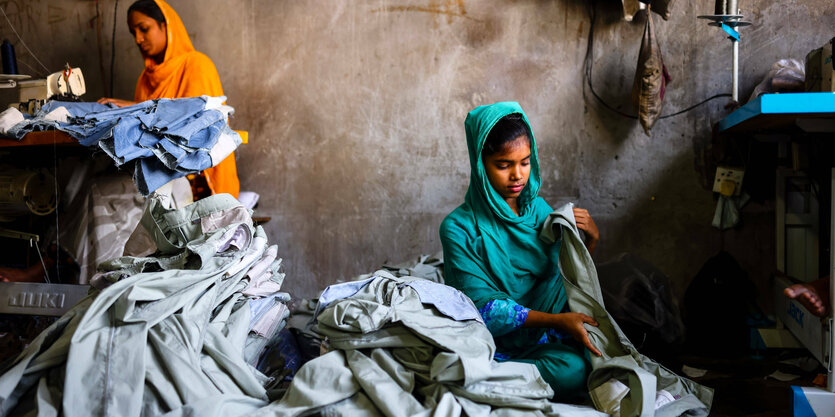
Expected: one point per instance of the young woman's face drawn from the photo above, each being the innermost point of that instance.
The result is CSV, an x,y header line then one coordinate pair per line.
x,y
149,34
509,169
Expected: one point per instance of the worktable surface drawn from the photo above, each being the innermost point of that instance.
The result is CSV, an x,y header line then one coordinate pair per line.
x,y
47,137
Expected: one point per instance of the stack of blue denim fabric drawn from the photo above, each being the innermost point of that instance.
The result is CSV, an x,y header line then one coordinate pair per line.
x,y
163,139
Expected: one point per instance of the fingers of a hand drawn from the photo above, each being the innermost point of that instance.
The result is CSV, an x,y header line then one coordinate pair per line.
x,y
587,342
590,320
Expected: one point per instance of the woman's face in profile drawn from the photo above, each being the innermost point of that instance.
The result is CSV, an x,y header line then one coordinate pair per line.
x,y
149,34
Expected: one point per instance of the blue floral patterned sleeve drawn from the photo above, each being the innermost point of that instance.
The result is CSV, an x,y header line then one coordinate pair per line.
x,y
503,316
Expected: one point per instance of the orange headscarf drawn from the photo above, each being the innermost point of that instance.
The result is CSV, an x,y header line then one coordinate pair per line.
x,y
185,72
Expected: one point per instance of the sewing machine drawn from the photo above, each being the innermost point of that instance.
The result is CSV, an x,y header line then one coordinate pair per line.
x,y
66,85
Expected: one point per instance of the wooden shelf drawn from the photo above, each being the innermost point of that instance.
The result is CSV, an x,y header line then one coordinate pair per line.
x,y
47,137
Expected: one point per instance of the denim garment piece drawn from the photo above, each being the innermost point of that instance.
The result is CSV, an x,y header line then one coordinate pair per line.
x,y
172,112
203,138
185,130
89,135
149,139
165,139
20,130
170,153
125,144
194,160
75,109
150,174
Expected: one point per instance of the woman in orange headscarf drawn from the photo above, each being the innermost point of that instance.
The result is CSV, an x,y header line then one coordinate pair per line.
x,y
173,69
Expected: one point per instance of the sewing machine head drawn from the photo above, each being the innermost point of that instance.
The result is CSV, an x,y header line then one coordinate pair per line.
x,y
66,85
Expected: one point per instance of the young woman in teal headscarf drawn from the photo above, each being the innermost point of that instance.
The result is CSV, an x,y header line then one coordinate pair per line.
x,y
493,254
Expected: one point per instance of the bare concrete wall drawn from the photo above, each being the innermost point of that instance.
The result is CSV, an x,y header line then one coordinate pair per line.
x,y
356,110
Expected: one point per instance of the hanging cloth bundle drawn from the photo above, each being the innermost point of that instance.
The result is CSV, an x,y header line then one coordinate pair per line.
x,y
651,78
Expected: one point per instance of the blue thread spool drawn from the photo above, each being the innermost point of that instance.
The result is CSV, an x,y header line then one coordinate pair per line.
x,y
9,60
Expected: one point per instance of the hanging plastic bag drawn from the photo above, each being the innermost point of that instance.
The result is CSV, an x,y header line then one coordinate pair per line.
x,y
651,79
785,76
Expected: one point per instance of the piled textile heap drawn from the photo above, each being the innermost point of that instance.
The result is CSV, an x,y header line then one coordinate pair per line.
x,y
174,333
164,139
411,347
302,322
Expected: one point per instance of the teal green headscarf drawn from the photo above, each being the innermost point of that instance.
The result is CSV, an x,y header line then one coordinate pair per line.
x,y
490,253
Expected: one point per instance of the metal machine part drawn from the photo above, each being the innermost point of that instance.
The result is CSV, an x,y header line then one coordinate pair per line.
x,y
24,191
11,80
730,24
66,85
39,298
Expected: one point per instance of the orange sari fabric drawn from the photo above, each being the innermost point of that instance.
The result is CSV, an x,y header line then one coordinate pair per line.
x,y
185,72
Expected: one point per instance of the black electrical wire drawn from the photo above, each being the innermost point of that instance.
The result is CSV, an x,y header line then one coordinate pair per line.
x,y
588,66
588,62
113,47
696,105
99,43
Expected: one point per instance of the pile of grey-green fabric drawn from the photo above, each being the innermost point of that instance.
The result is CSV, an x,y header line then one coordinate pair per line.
x,y
302,322
406,346
168,333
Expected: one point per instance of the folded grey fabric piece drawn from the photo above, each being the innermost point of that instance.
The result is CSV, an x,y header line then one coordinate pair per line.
x,y
166,336
394,355
620,360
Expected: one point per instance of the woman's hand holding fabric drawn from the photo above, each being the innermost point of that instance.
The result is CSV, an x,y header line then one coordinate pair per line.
x,y
117,102
586,224
570,323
